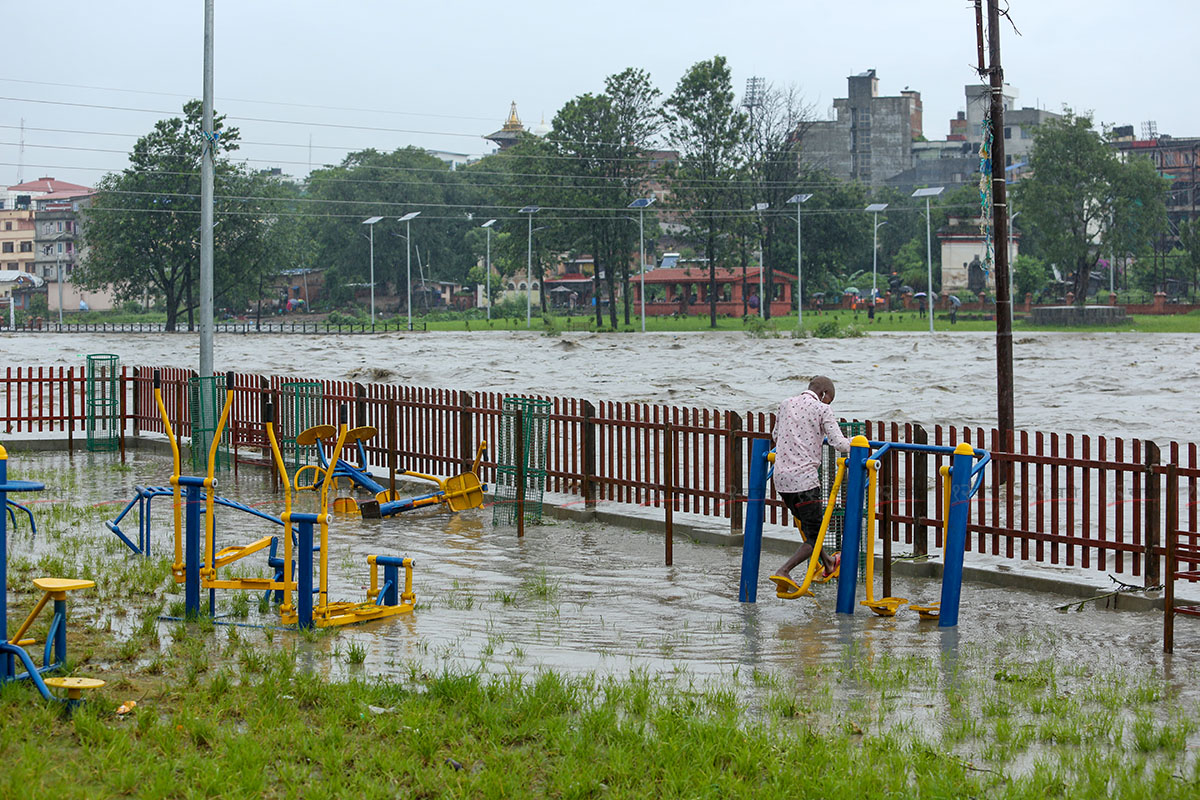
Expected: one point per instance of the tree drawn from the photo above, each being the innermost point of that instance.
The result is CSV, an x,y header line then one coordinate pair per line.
x,y
708,131
1082,201
776,128
143,228
371,183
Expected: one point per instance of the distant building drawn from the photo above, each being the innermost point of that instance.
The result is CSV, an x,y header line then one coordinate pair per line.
x,y
21,195
510,132
1176,160
871,137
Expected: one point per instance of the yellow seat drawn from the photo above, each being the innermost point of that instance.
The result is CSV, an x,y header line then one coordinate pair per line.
x,y
360,434
75,686
310,436
463,491
62,584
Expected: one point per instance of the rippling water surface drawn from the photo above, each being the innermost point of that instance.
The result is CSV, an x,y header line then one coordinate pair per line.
x,y
1113,384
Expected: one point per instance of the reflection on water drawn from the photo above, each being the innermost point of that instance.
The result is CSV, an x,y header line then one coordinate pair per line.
x,y
590,599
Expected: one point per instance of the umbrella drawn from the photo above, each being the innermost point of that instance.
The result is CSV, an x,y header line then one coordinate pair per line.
x,y
906,289
919,294
851,290
817,294
954,299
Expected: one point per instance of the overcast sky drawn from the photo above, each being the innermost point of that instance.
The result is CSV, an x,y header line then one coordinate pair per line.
x,y
441,75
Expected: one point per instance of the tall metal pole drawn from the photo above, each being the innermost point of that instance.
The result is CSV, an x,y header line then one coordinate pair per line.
x,y
488,275
642,243
929,264
206,202
371,228
408,274
799,274
1011,276
60,291
875,255
529,278
1004,353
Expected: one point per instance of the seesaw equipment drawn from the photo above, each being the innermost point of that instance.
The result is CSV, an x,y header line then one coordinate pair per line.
x,y
457,493
859,471
12,649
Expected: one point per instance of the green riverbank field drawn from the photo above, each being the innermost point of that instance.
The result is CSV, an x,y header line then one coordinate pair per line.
x,y
571,663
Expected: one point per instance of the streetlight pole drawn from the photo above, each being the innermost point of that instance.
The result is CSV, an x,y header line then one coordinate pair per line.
x,y
370,223
407,220
932,191
60,288
799,199
641,204
530,210
875,208
759,208
207,177
487,226
1012,218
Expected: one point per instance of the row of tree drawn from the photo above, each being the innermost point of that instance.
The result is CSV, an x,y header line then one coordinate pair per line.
x,y
716,159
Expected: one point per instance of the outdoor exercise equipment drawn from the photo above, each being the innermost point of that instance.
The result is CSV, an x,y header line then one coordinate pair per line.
x,y
457,493
12,649
383,601
965,476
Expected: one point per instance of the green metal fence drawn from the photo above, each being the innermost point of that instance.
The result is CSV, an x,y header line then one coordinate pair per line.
x,y
103,402
528,453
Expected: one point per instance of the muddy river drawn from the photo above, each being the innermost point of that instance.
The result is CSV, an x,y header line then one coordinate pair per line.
x,y
1115,384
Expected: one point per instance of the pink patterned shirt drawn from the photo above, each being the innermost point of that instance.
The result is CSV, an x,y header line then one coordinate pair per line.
x,y
803,423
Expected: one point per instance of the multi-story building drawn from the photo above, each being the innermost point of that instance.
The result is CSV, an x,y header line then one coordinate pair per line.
x,y
1176,160
870,138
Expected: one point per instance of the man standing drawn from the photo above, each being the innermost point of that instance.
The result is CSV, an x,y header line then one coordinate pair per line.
x,y
803,423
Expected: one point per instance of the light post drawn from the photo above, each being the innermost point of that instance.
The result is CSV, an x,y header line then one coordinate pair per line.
x,y
640,204
487,226
758,208
932,191
407,220
370,223
799,200
530,210
875,208
1011,261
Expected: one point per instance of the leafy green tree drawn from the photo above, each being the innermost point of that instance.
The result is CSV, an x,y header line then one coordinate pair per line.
x,y
1081,201
837,236
143,228
1030,276
704,125
370,183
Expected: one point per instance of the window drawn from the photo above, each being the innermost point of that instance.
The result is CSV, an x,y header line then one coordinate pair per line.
x,y
26,247
8,247
70,226
60,228
1007,133
70,247
8,226
60,247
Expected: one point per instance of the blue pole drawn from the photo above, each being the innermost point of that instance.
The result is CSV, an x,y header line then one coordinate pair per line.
x,y
956,534
60,632
304,569
856,487
191,550
7,667
756,502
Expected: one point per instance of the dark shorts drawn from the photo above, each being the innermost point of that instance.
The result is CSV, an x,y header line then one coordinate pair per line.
x,y
808,507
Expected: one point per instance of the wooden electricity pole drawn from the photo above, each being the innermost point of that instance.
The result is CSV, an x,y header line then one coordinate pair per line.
x,y
1004,344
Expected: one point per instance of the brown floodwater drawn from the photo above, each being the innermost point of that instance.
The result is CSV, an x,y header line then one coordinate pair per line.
x,y
1111,384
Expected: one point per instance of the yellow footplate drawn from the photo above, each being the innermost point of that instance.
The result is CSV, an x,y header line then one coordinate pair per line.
x,y
927,612
886,606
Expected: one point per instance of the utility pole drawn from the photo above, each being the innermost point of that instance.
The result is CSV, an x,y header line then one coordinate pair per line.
x,y
1004,344
206,202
